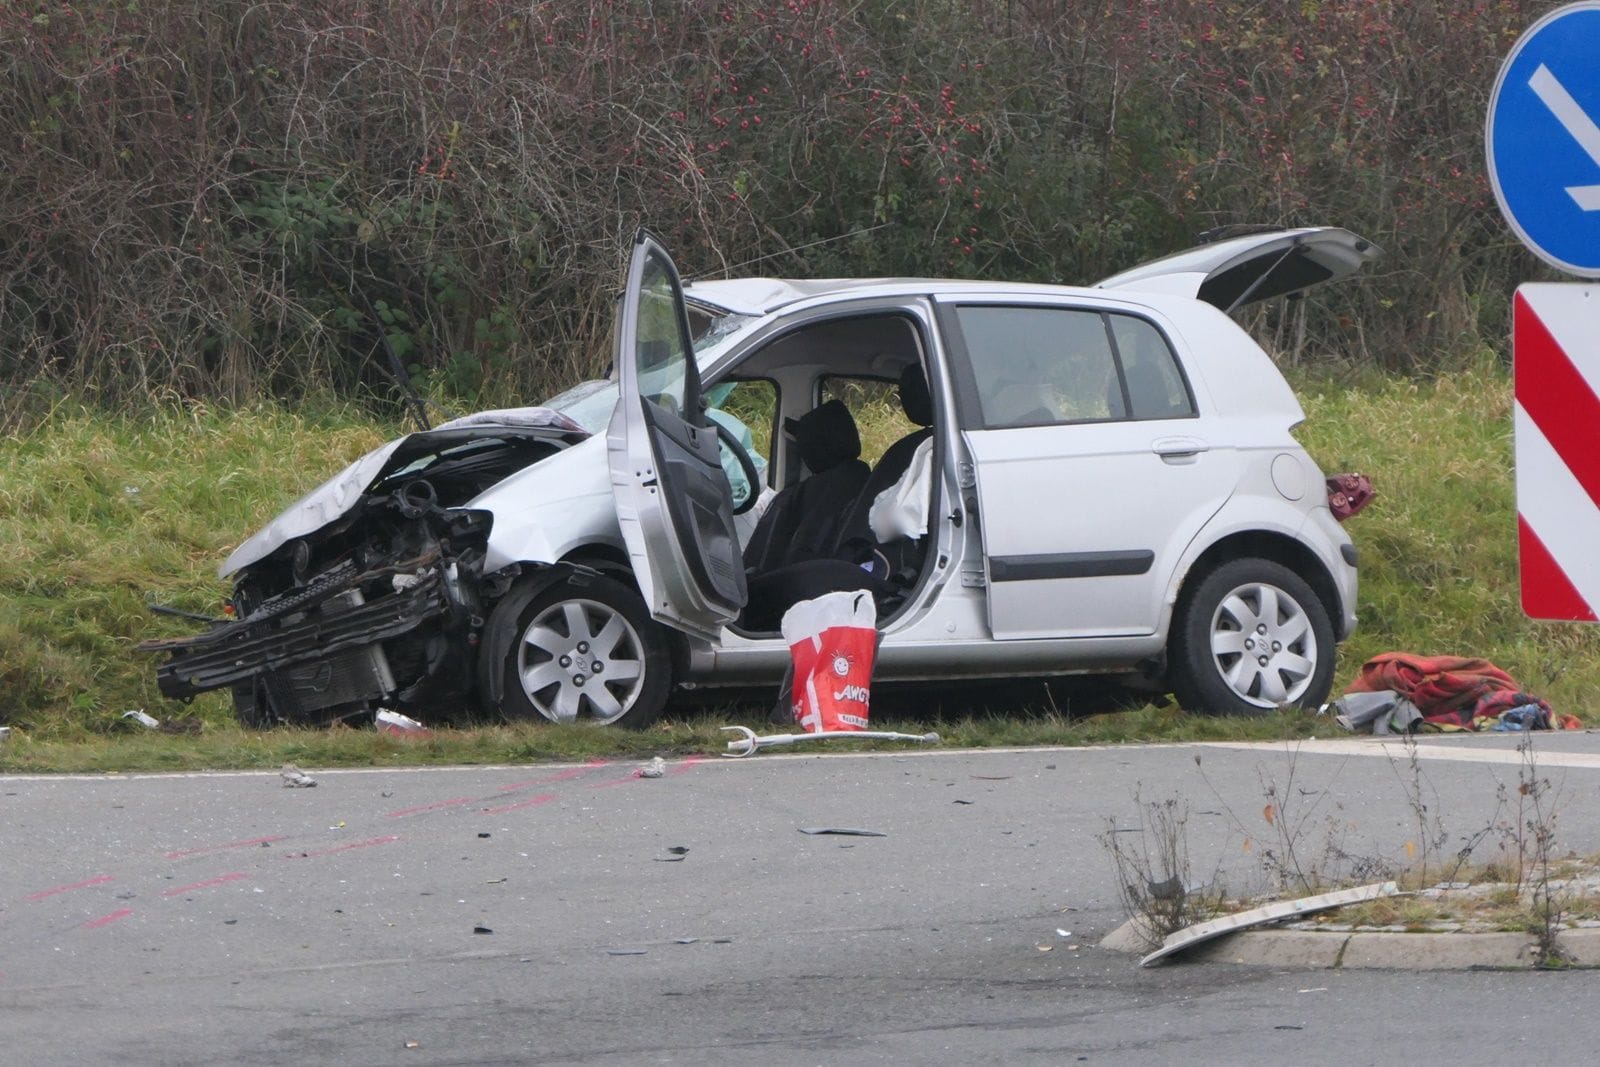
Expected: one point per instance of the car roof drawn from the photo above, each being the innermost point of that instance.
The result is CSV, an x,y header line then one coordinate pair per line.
x,y
763,296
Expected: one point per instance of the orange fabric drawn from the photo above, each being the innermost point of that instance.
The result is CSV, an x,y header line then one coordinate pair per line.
x,y
1452,692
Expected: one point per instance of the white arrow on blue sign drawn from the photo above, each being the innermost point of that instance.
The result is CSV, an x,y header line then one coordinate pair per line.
x,y
1543,138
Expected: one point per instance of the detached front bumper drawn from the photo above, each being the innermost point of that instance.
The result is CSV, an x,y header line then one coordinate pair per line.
x,y
325,638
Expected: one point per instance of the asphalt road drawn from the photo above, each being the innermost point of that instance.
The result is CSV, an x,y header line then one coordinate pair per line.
x,y
203,919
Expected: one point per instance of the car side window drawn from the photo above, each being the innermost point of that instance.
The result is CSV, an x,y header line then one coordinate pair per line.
x,y
660,357
1156,389
1041,366
1035,366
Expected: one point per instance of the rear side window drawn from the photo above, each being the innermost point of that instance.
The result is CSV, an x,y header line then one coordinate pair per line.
x,y
1038,366
1156,389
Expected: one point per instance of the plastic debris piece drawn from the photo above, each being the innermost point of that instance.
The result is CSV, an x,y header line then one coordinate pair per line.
x,y
965,802
494,881
482,930
5,732
413,1044
392,722
848,831
625,952
749,743
1063,933
294,778
686,940
656,768
678,850
149,722
1267,913
483,835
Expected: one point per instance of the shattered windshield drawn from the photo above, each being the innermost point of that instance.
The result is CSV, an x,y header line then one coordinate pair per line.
x,y
589,403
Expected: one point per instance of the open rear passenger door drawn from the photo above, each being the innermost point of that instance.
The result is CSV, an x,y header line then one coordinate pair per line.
x,y
673,500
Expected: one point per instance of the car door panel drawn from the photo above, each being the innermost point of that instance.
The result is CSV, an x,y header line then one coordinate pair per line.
x,y
674,505
1082,525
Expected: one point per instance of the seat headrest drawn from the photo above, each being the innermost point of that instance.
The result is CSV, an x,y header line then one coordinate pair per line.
x,y
826,435
915,400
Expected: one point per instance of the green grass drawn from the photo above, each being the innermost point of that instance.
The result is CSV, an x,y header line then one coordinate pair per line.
x,y
100,514
1439,543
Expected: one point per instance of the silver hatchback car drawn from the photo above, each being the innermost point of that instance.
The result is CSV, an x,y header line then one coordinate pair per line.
x,y
1082,480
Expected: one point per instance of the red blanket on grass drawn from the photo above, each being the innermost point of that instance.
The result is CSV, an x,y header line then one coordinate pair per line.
x,y
1452,692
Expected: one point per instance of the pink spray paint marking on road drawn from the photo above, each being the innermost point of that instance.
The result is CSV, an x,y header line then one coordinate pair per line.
x,y
107,920
419,809
531,802
560,776
99,879
257,841
685,764
207,884
370,842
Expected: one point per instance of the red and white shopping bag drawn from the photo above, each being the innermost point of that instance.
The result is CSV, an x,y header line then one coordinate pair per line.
x,y
833,640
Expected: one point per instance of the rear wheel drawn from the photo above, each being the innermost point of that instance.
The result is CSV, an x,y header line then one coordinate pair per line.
x,y
1251,637
585,653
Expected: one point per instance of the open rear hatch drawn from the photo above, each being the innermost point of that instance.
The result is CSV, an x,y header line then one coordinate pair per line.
x,y
1233,270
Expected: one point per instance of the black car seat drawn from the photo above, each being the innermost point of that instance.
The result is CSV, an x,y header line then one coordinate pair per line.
x,y
804,520
773,590
856,534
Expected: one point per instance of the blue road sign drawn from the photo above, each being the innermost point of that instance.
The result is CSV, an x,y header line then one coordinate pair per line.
x,y
1543,138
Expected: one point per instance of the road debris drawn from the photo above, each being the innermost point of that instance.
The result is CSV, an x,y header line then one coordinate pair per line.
x,y
294,778
392,722
964,802
751,743
686,940
413,1044
482,930
625,952
1190,936
656,768
848,831
149,722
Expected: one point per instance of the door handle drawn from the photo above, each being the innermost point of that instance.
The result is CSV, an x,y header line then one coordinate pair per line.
x,y
1178,449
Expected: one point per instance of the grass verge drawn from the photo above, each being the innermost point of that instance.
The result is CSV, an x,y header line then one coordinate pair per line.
x,y
101,514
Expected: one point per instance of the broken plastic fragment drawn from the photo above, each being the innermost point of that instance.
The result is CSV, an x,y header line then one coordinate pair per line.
x,y
149,722
625,952
656,768
848,831
392,722
482,930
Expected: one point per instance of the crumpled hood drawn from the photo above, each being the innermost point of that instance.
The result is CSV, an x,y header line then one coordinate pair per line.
x,y
334,498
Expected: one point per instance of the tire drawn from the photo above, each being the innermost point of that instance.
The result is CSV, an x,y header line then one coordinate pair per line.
x,y
1250,637
583,652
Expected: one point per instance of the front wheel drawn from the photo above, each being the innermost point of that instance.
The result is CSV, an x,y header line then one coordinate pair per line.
x,y
1251,637
584,652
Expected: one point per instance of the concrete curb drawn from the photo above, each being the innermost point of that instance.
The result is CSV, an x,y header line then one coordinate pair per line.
x,y
1373,950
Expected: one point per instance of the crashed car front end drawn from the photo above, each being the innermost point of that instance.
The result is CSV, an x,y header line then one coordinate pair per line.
x,y
372,588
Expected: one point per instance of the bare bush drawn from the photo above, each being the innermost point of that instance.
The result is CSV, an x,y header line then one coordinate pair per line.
x,y
230,199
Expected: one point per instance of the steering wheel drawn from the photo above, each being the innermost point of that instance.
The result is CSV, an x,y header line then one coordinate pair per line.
x,y
752,477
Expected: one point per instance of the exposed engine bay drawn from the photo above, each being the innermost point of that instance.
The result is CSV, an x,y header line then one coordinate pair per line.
x,y
385,603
